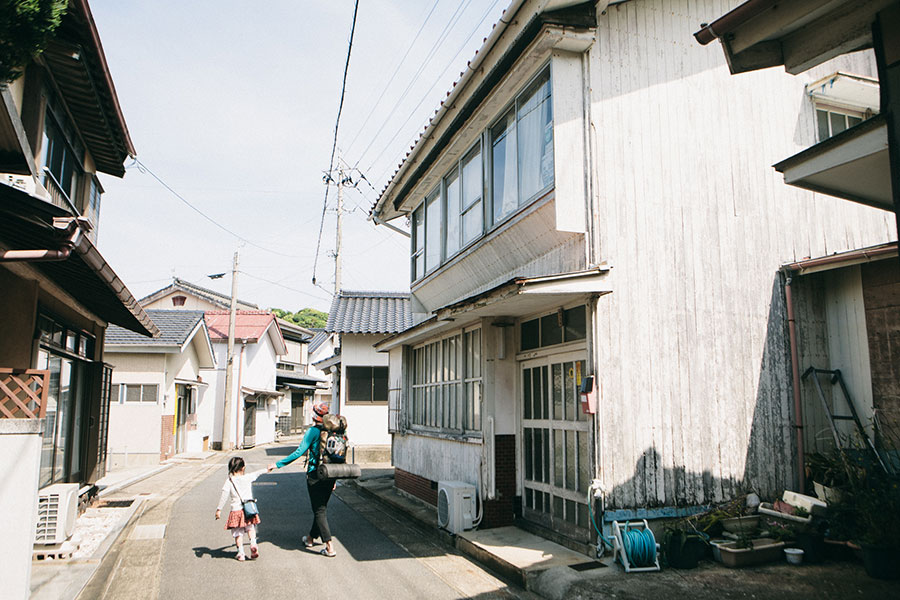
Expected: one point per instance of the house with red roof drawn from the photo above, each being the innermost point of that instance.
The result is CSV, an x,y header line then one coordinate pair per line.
x,y
258,347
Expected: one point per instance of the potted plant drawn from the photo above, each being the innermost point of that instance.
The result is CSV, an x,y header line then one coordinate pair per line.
x,y
878,519
683,548
828,475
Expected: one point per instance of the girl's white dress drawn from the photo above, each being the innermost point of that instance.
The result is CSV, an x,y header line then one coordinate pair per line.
x,y
242,489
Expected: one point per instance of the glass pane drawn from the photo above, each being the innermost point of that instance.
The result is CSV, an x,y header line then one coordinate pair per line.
x,y
476,403
536,393
531,334
570,511
583,515
471,198
584,475
503,158
557,392
432,232
63,417
529,498
476,353
77,397
71,341
569,389
539,455
851,121
558,456
535,139
545,393
838,123
473,223
114,393
575,325
551,332
50,421
579,373
822,122
148,393
526,392
538,501
570,460
379,384
453,212
529,468
557,507
546,460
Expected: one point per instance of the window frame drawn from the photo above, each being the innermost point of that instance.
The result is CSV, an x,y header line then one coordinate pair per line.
x,y
119,394
372,401
484,145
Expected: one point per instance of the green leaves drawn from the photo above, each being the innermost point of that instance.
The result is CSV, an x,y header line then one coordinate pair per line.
x,y
25,28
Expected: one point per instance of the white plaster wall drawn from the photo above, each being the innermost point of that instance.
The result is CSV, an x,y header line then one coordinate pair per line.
x,y
215,393
366,425
191,303
134,428
438,459
20,447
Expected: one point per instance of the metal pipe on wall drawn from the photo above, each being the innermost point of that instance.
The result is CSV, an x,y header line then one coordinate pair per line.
x,y
795,380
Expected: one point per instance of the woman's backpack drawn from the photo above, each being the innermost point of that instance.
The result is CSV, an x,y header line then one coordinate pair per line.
x,y
333,443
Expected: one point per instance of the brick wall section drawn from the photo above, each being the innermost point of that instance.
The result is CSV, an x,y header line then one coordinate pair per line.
x,y
881,295
501,511
166,439
421,488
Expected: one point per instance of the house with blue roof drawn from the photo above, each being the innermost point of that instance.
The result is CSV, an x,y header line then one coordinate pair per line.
x,y
159,405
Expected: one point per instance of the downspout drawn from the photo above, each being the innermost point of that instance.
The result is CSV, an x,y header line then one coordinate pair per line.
x,y
795,379
62,253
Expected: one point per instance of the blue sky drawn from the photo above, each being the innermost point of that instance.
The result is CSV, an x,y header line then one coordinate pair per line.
x,y
232,104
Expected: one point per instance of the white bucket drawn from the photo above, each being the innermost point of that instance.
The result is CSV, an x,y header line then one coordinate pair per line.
x,y
794,555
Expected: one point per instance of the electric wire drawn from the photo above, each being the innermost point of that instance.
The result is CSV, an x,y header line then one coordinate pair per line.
x,y
393,75
251,276
430,88
145,169
454,18
337,124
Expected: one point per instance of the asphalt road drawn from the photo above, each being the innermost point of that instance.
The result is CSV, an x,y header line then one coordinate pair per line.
x,y
197,558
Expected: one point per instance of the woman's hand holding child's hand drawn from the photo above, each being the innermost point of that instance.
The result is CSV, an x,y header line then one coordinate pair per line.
x,y
270,468
218,514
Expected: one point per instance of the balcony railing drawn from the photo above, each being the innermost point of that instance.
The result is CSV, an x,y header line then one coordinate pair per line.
x,y
23,393
57,196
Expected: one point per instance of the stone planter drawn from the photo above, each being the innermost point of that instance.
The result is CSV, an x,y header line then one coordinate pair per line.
x,y
761,550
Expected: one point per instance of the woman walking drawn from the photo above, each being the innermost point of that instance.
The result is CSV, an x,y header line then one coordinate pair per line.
x,y
318,486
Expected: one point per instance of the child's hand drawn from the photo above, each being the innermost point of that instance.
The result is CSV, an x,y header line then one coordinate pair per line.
x,y
271,468
218,513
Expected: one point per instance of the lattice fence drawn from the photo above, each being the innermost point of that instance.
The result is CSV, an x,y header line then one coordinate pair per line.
x,y
23,393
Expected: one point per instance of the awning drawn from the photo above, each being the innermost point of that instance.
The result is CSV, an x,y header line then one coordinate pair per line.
x,y
191,382
846,91
251,391
26,224
302,387
853,164
327,363
517,297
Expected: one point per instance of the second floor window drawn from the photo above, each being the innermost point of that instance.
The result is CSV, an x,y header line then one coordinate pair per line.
x,y
831,122
61,164
474,196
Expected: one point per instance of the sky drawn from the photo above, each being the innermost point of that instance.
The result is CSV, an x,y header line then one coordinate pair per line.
x,y
232,106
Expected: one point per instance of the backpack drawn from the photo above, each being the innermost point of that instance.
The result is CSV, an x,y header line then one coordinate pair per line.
x,y
333,443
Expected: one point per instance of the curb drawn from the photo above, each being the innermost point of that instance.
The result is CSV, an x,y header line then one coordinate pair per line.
x,y
124,484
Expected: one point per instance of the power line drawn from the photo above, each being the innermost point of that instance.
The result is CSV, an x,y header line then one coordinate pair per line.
x,y
397,70
337,124
430,88
454,18
145,169
284,286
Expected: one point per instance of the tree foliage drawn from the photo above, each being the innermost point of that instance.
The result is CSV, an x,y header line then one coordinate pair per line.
x,y
25,28
305,317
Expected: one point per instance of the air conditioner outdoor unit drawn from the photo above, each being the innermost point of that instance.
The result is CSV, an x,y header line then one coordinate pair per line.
x,y
456,505
57,508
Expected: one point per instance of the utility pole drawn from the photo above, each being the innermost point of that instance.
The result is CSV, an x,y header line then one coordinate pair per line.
x,y
229,361
337,244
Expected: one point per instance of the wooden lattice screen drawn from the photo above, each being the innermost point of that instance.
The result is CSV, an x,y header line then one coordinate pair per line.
x,y
23,393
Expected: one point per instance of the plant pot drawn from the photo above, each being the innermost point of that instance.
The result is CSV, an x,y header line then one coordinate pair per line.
x,y
741,524
794,556
881,563
685,555
813,546
761,550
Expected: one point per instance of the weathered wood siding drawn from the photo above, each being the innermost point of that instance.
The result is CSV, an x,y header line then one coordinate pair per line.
x,y
692,350
437,459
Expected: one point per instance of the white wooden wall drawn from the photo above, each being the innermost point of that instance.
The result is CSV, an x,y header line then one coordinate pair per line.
x,y
692,356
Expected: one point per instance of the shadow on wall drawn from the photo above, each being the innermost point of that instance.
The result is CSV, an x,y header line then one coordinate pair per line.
x,y
760,433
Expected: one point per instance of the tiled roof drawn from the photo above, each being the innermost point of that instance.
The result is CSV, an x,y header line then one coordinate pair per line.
x,y
369,312
317,340
249,325
182,285
174,327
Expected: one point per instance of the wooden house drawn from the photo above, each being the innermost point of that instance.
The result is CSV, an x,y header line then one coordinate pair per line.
x,y
600,316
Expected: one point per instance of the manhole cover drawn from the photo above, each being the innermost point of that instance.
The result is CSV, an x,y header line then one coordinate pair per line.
x,y
587,566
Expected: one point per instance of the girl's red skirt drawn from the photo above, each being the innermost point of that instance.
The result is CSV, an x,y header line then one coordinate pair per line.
x,y
236,519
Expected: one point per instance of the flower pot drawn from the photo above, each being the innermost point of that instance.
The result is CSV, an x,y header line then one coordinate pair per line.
x,y
761,550
826,494
685,555
794,556
741,524
881,563
813,546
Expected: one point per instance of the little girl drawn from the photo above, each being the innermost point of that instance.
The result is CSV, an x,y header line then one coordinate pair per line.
x,y
239,488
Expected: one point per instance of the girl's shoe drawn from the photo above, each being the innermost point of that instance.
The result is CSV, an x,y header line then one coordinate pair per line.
x,y
307,542
241,557
254,552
